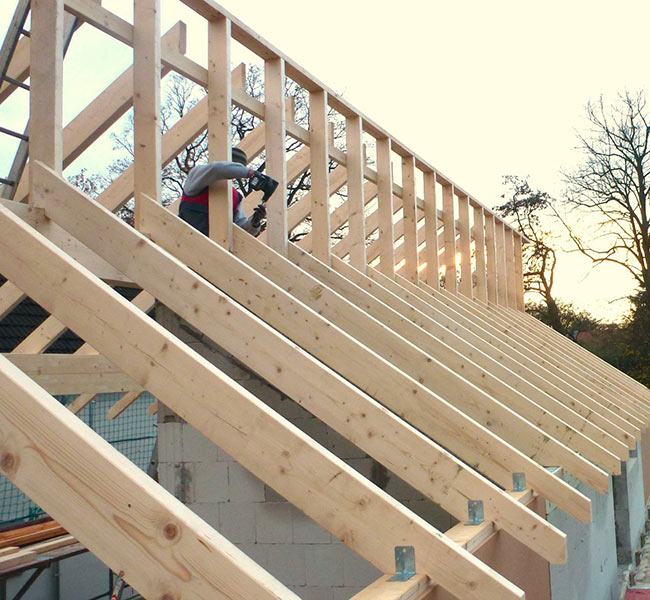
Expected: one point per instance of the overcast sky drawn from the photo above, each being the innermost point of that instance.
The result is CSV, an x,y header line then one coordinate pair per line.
x,y
479,89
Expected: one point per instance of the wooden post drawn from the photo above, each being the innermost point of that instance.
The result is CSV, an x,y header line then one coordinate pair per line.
x,y
431,230
510,267
491,256
46,81
465,246
219,108
276,166
519,272
385,207
356,201
147,151
502,270
480,291
320,192
410,219
449,225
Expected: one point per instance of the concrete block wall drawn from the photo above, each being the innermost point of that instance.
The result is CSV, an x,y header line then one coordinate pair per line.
x,y
278,536
629,506
591,570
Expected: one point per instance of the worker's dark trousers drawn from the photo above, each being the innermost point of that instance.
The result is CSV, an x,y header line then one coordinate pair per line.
x,y
196,215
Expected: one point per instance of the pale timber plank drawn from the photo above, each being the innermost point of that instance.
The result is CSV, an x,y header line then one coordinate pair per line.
x,y
219,111
464,243
385,206
300,469
431,230
63,374
491,257
519,273
410,219
427,350
301,377
320,188
468,314
160,545
122,404
506,343
18,68
414,589
46,75
480,291
502,270
449,233
508,371
276,167
513,291
355,201
10,297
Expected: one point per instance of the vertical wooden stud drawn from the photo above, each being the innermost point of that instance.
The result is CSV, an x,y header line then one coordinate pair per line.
x,y
510,267
502,270
356,201
147,147
431,230
276,166
385,207
465,244
320,189
480,291
219,108
46,80
491,257
410,219
519,272
449,231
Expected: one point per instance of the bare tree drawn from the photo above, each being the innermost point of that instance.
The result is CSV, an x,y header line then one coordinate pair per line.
x,y
523,207
612,185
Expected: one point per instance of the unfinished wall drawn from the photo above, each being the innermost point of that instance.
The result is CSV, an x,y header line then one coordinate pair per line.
x,y
292,547
629,503
591,568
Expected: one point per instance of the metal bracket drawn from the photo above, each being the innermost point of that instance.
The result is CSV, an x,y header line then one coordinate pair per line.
x,y
518,482
475,511
404,563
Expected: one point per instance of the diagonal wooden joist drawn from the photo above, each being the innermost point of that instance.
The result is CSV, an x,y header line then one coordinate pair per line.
x,y
143,532
473,318
322,486
299,375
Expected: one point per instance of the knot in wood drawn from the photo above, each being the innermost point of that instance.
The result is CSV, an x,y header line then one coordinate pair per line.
x,y
170,531
8,463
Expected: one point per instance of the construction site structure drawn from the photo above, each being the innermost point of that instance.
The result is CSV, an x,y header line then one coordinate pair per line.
x,y
405,335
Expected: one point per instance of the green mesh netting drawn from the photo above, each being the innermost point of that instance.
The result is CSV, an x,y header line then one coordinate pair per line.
x,y
133,433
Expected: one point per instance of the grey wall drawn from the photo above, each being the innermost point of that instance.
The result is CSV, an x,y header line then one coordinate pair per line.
x,y
591,569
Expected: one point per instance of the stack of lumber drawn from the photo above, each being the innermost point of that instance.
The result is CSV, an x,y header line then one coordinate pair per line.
x,y
22,545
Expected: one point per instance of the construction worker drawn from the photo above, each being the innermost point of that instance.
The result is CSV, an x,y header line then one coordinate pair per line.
x,y
194,203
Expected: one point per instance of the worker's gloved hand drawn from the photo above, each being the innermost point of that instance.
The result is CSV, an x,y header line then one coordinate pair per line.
x,y
258,214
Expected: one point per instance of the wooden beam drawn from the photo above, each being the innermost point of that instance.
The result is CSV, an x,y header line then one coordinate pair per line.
x,y
410,219
299,468
143,532
385,206
10,297
502,268
276,129
431,230
480,291
73,374
122,404
417,587
46,83
300,373
355,201
465,247
320,188
102,112
511,269
491,257
519,273
219,111
146,103
449,232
